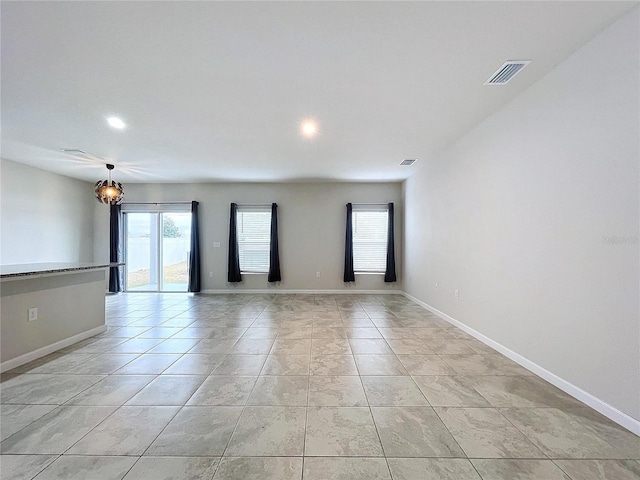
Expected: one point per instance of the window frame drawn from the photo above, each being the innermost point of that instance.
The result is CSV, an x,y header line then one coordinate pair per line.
x,y
377,208
239,218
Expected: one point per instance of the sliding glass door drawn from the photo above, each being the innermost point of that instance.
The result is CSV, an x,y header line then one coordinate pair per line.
x,y
141,252
157,251
175,243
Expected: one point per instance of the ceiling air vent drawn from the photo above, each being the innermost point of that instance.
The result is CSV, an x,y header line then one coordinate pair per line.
x,y
506,72
74,151
82,155
408,161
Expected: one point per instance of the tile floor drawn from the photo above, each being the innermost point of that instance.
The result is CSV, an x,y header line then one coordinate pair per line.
x,y
290,387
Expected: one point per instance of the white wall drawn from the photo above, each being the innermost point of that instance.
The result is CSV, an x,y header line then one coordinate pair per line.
x,y
44,217
311,225
534,217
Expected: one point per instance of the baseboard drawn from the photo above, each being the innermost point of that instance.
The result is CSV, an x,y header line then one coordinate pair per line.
x,y
604,408
303,292
41,352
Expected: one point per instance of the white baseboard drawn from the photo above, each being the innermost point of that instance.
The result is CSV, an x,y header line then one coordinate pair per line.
x,y
41,352
304,292
604,408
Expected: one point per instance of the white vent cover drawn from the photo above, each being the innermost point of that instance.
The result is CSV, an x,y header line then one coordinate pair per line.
x,y
82,155
408,161
506,72
74,151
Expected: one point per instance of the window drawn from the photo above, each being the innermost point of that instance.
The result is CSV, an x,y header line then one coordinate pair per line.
x,y
369,228
253,226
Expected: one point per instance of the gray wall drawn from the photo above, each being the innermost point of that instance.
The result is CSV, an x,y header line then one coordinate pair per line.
x,y
70,308
534,217
311,221
44,217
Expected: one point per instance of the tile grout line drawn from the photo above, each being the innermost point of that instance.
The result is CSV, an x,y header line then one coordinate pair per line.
x,y
235,428
373,420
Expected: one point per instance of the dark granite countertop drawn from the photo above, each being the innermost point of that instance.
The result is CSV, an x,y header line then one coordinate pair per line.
x,y
28,269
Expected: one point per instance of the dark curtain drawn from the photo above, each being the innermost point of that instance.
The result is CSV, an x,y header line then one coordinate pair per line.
x,y
274,254
194,252
233,274
115,249
349,276
390,272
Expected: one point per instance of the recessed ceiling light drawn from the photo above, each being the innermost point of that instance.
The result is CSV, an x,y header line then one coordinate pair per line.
x,y
115,122
309,128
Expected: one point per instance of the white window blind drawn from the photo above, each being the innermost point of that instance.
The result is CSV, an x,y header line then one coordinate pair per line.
x,y
369,227
253,231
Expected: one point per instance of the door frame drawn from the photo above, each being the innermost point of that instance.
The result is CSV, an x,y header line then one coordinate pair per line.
x,y
159,249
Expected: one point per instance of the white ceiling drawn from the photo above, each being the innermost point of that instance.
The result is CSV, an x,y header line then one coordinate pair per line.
x,y
215,91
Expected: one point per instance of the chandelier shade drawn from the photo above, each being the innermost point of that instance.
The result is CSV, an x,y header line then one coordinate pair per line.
x,y
109,191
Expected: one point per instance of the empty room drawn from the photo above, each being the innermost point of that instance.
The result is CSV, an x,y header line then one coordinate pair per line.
x,y
320,240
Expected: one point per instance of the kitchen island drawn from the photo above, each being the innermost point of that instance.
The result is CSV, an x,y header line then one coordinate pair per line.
x,y
48,306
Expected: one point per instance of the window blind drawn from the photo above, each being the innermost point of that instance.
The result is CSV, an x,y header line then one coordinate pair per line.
x,y
253,230
369,228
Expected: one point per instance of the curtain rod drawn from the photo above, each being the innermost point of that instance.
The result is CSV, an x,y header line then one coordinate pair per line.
x,y
253,204
387,203
156,203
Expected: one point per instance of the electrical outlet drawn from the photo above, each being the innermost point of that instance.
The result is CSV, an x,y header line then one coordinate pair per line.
x,y
437,285
33,314
456,293
318,274
210,274
216,244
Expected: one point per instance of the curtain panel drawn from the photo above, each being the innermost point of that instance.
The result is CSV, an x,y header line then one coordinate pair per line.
x,y
194,251
390,272
349,275
233,273
116,283
274,254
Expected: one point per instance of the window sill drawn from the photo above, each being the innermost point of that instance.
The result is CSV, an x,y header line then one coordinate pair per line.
x,y
369,273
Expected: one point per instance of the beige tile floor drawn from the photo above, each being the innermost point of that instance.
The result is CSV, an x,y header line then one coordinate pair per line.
x,y
290,387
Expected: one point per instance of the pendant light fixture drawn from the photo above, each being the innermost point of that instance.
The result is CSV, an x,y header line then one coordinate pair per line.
x,y
108,191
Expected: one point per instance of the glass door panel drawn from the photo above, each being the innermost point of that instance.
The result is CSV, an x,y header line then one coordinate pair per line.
x,y
141,252
176,240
